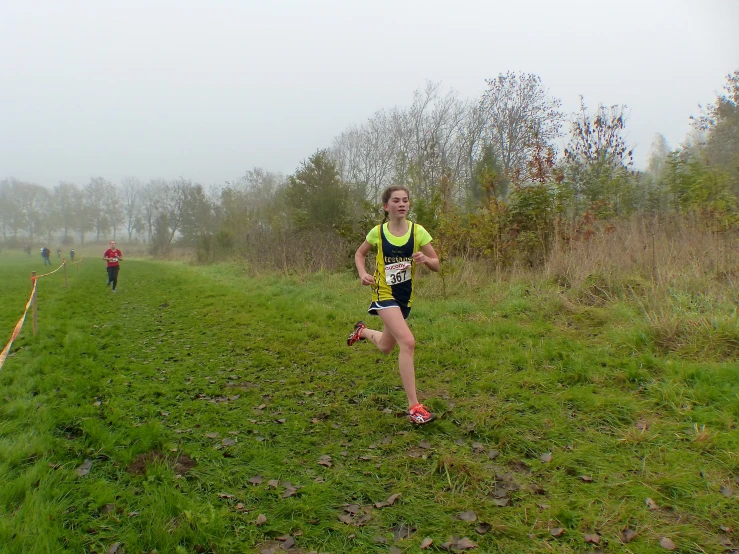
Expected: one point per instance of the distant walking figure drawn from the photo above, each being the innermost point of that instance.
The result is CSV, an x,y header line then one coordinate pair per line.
x,y
71,255
113,256
45,253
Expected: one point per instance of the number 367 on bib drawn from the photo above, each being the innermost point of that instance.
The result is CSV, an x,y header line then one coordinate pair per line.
x,y
398,272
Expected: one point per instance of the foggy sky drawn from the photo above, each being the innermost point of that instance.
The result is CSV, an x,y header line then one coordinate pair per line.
x,y
208,90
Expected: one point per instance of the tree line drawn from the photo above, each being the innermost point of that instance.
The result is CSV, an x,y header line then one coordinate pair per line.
x,y
499,176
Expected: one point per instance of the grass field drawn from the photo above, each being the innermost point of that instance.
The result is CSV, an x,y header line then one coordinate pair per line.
x,y
201,409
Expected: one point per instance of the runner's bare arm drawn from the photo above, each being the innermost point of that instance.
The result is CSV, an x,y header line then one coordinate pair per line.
x,y
427,256
359,260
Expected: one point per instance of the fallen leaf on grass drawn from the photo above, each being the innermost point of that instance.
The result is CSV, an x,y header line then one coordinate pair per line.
x,y
424,444
425,543
256,480
228,442
727,491
467,516
557,532
274,483
287,542
501,502
225,495
355,515
353,508
261,519
592,538
546,458
289,491
115,548
465,543
651,504
537,489
107,508
477,447
483,528
211,435
389,502
325,461
84,469
586,478
667,544
520,466
627,535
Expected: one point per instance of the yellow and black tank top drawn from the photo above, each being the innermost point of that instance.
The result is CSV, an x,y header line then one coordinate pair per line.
x,y
395,268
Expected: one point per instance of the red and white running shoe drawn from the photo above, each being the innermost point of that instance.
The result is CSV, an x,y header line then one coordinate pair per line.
x,y
419,415
356,334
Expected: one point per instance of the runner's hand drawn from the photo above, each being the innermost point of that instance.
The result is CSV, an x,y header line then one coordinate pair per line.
x,y
420,258
367,280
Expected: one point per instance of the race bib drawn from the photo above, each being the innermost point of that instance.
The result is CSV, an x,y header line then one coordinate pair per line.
x,y
398,272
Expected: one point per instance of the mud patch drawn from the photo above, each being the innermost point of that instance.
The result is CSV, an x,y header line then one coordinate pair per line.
x,y
180,464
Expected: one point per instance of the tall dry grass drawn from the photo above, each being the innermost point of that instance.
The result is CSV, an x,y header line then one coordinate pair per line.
x,y
682,274
678,253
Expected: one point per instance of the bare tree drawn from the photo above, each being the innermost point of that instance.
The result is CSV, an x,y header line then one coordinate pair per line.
x,y
8,209
31,203
84,217
175,205
519,114
64,199
364,156
130,194
152,202
98,196
598,157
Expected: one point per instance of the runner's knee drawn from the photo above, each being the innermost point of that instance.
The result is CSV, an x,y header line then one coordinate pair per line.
x,y
407,342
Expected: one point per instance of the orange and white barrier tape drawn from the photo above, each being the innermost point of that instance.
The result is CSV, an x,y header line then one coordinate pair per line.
x,y
51,272
18,327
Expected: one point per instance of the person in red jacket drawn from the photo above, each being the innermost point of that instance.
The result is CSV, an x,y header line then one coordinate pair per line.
x,y
113,256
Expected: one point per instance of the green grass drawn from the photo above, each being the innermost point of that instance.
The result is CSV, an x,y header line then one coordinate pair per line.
x,y
184,357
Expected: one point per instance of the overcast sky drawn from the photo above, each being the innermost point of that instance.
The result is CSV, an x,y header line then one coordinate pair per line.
x,y
207,90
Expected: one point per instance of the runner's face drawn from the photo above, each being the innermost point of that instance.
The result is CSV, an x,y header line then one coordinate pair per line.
x,y
112,245
398,204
